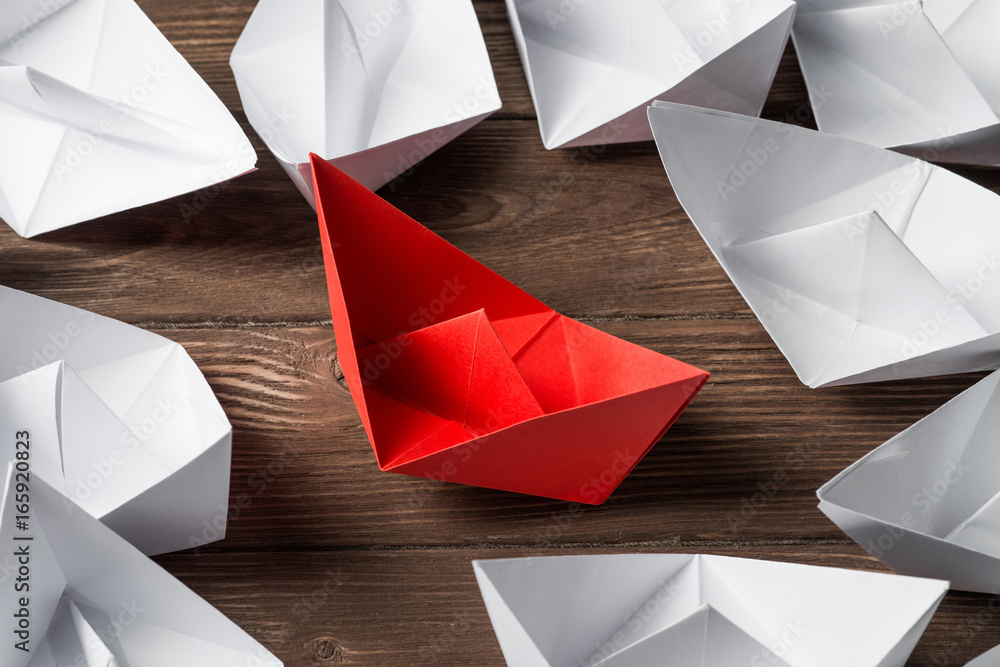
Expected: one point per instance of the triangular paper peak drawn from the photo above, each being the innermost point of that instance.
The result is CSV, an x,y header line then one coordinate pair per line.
x,y
396,276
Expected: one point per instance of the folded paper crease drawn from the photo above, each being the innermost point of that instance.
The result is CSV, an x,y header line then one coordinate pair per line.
x,y
593,67
631,610
96,601
101,114
909,75
373,87
926,502
882,271
127,426
458,374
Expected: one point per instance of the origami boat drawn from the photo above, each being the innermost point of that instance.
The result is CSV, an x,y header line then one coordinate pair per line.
x,y
124,423
862,264
927,502
989,659
93,600
373,86
917,76
592,67
647,610
99,114
459,375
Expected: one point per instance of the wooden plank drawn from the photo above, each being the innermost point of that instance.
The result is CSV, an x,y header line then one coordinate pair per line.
x,y
423,607
741,465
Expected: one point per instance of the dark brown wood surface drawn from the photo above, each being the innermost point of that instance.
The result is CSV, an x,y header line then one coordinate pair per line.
x,y
328,560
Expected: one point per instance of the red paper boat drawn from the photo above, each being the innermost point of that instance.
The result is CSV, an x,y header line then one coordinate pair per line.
x,y
461,376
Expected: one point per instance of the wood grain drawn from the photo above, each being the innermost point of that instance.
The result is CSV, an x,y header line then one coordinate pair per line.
x,y
422,607
329,561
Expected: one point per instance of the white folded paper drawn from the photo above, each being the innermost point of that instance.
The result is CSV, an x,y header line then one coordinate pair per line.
x,y
989,659
592,67
700,611
919,76
927,502
85,597
863,264
123,422
99,113
373,86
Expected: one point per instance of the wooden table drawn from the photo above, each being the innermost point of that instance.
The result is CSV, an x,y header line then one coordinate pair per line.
x,y
330,561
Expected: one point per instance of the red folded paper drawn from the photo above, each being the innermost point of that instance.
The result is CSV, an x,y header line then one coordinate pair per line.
x,y
459,375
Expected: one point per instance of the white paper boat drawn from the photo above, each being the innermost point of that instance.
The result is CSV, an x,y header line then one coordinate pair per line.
x,y
123,422
700,611
862,264
373,86
918,76
99,114
989,659
92,600
592,67
927,502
